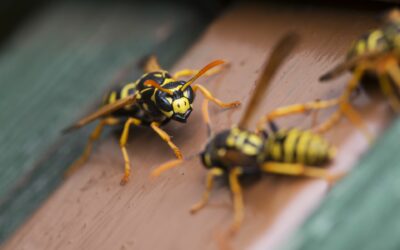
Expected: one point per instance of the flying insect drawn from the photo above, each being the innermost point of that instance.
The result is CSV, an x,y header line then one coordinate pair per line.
x,y
238,151
153,100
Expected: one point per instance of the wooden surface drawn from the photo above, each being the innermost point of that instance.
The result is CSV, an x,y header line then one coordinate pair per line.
x,y
52,71
91,211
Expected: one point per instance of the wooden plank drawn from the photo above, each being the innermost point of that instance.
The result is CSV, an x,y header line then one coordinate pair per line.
x,y
54,69
91,211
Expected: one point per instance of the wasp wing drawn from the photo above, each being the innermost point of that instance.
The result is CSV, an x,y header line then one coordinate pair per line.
x,y
150,64
279,53
105,110
350,64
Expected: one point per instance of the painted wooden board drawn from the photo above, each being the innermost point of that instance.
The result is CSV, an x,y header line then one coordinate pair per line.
x,y
52,71
91,210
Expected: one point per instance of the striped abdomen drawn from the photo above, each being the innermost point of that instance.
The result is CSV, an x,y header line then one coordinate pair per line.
x,y
296,146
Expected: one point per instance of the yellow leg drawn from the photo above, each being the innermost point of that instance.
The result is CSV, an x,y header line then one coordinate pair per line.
x,y
388,90
123,141
214,172
356,119
192,72
156,127
88,149
344,98
299,170
210,97
206,117
164,167
238,208
328,123
293,109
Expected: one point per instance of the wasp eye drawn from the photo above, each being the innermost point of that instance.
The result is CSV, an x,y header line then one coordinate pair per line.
x,y
188,93
164,101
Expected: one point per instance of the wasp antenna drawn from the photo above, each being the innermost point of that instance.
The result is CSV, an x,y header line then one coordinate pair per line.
x,y
68,129
202,72
154,84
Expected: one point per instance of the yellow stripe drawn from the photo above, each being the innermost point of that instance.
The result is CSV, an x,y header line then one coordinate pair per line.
x,y
302,148
289,145
249,149
373,39
276,152
113,97
207,159
314,150
254,139
240,139
360,47
126,88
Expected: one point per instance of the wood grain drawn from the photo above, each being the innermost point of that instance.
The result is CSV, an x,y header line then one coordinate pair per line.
x,y
91,210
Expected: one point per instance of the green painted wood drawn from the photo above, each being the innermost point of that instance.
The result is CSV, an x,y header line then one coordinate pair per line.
x,y
52,72
362,211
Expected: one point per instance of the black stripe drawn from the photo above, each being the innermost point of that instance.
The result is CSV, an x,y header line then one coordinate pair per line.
x,y
294,156
307,149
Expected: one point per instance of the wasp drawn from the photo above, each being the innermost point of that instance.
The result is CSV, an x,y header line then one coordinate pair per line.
x,y
156,98
373,60
240,152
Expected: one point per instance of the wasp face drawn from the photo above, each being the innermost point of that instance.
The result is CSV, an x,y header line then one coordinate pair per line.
x,y
177,106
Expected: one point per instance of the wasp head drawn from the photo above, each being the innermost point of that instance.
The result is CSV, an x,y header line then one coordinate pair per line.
x,y
174,99
177,102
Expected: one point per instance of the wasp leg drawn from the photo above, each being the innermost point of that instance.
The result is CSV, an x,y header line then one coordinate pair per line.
x,y
387,87
210,97
164,167
237,199
192,72
206,117
89,146
344,100
328,123
156,127
293,109
214,172
123,141
299,170
355,118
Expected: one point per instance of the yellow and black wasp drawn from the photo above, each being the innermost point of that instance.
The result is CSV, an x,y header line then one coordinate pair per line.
x,y
240,152
373,59
153,100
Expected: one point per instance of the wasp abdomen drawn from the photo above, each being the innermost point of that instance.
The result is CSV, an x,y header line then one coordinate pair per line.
x,y
296,146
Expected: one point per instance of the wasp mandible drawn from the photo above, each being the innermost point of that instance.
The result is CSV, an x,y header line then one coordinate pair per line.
x,y
239,152
153,100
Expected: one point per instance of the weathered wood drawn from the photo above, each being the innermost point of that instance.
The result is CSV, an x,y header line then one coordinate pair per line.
x,y
91,210
58,63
